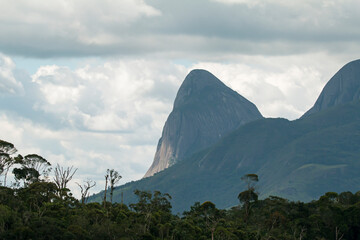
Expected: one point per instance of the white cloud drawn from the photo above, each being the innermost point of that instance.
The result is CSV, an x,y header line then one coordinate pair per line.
x,y
84,21
115,113
91,153
284,86
115,96
112,115
8,83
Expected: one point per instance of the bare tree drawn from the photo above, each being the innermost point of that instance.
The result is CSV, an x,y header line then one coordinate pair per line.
x,y
62,177
114,178
106,182
84,189
338,235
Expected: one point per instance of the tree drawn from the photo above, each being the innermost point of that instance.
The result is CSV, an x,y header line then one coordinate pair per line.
x,y
84,189
251,179
32,166
114,178
62,177
6,161
150,205
249,195
28,175
40,164
211,215
106,182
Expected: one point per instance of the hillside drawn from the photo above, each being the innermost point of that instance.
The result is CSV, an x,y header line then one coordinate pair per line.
x,y
298,160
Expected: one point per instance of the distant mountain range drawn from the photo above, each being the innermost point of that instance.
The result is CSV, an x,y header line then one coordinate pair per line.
x,y
214,136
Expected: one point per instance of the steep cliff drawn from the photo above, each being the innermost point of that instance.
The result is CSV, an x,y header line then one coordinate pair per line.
x,y
204,110
343,87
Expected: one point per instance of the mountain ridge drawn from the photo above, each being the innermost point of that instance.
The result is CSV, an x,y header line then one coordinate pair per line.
x,y
287,161
298,160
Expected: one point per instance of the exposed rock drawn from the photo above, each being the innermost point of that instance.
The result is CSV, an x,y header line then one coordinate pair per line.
x,y
204,110
343,87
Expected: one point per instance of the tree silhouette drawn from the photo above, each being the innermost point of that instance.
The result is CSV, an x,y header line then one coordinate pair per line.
x,y
249,195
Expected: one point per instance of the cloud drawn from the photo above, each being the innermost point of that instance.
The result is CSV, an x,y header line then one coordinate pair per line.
x,y
196,30
93,117
283,86
90,153
40,27
8,83
116,96
249,3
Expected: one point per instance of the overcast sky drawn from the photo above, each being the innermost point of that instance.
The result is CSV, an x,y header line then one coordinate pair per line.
x,y
90,84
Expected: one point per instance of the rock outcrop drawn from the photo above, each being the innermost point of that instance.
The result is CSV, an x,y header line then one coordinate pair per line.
x,y
343,87
204,111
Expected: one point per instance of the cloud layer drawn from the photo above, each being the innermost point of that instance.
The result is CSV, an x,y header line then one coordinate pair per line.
x,y
203,28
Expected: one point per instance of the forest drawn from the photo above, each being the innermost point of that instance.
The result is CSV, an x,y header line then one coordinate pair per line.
x,y
39,207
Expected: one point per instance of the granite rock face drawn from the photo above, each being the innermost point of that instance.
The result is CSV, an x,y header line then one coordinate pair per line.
x,y
343,87
204,111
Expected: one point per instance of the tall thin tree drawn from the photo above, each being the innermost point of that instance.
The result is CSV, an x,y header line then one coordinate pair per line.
x,y
114,178
106,182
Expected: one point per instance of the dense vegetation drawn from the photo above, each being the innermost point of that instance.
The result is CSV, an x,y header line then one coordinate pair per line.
x,y
38,208
37,212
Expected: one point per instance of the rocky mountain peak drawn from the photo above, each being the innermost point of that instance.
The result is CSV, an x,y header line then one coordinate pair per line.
x,y
196,82
343,87
205,110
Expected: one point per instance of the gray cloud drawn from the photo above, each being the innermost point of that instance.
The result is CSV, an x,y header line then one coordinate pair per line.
x,y
185,28
8,83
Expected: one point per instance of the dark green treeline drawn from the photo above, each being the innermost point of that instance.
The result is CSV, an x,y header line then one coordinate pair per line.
x,y
37,212
39,208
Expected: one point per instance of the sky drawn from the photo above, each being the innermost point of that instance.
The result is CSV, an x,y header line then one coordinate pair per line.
x,y
90,84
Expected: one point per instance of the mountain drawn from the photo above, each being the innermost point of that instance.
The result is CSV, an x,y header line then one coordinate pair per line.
x,y
299,160
205,110
343,87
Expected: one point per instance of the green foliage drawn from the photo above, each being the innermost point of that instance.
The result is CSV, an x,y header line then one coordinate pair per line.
x,y
248,196
32,166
